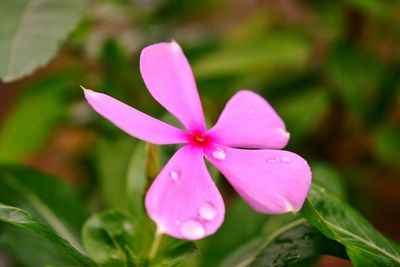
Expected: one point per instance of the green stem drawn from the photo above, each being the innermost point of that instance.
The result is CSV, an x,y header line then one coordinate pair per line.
x,y
155,245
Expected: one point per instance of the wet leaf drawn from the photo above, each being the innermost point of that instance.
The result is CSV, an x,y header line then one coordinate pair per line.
x,y
338,221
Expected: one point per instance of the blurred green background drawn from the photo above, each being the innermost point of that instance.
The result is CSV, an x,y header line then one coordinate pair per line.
x,y
330,68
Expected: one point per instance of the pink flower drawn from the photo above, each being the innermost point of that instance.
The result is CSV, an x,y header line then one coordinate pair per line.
x,y
183,200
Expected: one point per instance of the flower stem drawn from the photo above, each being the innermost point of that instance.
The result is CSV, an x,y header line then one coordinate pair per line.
x,y
155,245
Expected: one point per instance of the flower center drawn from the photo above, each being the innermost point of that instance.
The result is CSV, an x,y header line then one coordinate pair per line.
x,y
199,139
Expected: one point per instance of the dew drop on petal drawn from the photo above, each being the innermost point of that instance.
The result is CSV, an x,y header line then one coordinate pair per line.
x,y
175,173
192,229
219,153
207,211
285,159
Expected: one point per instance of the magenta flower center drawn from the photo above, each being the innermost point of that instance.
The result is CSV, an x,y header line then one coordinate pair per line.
x,y
200,139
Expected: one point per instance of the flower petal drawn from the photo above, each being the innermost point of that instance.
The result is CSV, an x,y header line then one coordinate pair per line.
x,y
169,78
249,121
183,200
270,181
134,122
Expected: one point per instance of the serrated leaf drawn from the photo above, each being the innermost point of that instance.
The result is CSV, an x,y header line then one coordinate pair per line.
x,y
105,236
338,221
32,32
24,220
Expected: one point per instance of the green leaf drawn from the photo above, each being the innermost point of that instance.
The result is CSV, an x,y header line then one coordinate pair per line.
x,y
180,252
44,196
327,176
137,180
243,256
257,55
50,201
24,220
106,235
286,240
387,144
32,32
38,109
354,74
313,105
374,7
113,158
223,242
338,221
122,167
297,242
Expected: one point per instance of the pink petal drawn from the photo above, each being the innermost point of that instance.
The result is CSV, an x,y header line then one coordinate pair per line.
x,y
249,121
270,181
134,122
183,200
169,78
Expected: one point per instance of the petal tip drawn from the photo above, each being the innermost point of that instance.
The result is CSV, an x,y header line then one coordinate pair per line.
x,y
87,91
290,207
284,132
175,46
91,95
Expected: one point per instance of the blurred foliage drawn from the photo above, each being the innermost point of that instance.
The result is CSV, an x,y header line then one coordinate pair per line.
x,y
38,26
45,198
329,68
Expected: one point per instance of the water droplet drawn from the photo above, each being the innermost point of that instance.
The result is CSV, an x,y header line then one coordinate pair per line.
x,y
271,160
219,153
175,173
208,211
250,111
285,159
192,229
127,227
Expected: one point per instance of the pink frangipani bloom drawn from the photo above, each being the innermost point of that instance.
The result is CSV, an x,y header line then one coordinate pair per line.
x,y
183,200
